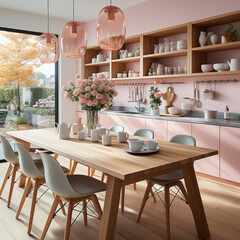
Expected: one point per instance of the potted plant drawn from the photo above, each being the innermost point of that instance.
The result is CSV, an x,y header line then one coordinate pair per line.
x,y
19,123
231,34
155,100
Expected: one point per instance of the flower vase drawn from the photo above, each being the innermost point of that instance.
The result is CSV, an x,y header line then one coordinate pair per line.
x,y
155,110
202,38
91,121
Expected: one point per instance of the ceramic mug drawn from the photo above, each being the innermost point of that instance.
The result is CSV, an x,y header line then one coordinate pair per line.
x,y
102,130
95,135
135,145
106,139
122,137
81,135
152,145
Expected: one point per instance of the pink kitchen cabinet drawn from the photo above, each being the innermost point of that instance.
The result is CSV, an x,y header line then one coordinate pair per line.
x,y
133,123
117,120
159,127
207,136
105,120
230,153
176,128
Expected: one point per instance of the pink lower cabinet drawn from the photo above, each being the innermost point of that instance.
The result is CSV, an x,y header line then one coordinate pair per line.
x,y
133,123
159,127
117,120
207,136
105,120
176,128
230,153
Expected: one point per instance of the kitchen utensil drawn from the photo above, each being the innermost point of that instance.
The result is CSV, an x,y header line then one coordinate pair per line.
x,y
234,65
207,67
152,145
144,150
106,139
198,103
208,93
64,130
168,97
122,137
135,145
210,114
194,94
173,110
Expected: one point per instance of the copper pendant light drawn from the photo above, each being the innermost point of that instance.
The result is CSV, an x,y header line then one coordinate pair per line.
x,y
48,46
111,28
73,39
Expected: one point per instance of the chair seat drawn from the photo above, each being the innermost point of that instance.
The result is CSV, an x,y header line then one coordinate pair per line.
x,y
34,156
168,177
85,185
39,165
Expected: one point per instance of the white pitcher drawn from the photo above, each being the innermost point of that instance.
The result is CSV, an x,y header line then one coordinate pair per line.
x,y
234,65
64,130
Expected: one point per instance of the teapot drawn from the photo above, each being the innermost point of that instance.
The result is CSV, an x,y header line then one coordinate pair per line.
x,y
234,65
64,130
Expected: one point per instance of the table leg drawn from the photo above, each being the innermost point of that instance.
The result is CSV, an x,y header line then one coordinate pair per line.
x,y
195,201
110,210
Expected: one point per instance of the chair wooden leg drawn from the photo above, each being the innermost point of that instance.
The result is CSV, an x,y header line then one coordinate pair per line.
x,y
145,197
183,190
96,204
89,171
92,172
55,155
25,193
15,168
6,178
74,166
167,206
123,199
69,218
70,164
50,217
135,186
36,186
103,176
84,211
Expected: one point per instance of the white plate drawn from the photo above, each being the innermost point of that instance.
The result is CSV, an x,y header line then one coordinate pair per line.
x,y
144,150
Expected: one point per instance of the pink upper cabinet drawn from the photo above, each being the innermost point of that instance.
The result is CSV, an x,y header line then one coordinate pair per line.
x,y
207,136
176,128
159,127
230,153
133,124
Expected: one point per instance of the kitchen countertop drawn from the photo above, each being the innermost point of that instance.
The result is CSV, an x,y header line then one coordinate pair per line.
x,y
189,119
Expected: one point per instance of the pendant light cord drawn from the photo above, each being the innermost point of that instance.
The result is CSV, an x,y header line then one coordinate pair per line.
x,y
73,10
110,2
48,15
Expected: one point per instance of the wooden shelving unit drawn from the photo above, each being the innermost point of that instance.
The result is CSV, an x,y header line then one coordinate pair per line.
x,y
194,55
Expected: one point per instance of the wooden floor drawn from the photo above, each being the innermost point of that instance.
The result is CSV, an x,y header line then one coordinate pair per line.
x,y
221,202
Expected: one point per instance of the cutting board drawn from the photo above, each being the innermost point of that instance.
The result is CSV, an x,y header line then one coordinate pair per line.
x,y
168,97
169,115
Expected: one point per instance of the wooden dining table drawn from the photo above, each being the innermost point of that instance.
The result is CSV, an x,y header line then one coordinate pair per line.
x,y
123,168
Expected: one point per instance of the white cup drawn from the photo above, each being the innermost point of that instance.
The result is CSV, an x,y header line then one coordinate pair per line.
x,y
106,139
102,130
81,135
152,145
135,145
95,135
122,137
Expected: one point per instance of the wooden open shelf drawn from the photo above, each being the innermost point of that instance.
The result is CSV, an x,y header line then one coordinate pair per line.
x,y
194,54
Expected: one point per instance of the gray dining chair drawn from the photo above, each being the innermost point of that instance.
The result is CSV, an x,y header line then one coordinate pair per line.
x,y
116,128
35,174
146,133
12,158
71,189
167,181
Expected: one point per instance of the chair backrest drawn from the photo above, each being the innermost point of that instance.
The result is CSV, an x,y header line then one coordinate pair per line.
x,y
55,177
184,139
116,128
147,133
27,164
8,152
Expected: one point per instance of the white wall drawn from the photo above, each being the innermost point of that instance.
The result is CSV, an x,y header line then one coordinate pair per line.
x,y
67,67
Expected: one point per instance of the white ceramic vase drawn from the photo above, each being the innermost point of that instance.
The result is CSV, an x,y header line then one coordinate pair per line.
x,y
155,111
214,39
209,38
202,38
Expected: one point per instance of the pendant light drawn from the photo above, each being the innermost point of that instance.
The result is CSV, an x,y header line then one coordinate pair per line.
x,y
73,39
48,46
111,28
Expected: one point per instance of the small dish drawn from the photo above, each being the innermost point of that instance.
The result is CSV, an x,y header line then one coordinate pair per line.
x,y
220,67
144,150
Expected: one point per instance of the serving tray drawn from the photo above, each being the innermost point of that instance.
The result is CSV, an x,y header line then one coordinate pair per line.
x,y
144,150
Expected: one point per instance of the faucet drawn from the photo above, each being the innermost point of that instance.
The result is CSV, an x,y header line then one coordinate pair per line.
x,y
139,107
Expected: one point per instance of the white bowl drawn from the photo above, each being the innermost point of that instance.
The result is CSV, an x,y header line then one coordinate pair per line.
x,y
220,67
173,110
209,114
207,67
119,75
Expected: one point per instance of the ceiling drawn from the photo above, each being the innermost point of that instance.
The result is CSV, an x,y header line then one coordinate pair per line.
x,y
84,10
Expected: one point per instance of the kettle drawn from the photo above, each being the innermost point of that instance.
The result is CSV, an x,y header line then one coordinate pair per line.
x,y
234,65
64,130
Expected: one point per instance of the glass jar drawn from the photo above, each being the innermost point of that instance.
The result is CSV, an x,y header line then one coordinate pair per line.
x,y
185,106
